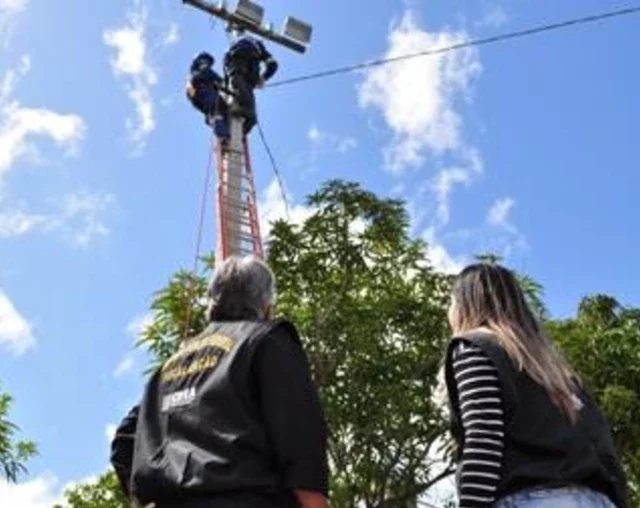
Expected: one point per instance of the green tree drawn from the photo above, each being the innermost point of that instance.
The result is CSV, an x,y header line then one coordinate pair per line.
x,y
105,492
371,312
13,453
603,344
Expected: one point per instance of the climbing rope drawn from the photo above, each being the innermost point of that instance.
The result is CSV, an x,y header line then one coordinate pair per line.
x,y
275,170
196,259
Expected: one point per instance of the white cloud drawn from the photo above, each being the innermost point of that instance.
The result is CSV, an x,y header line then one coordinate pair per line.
x,y
125,366
79,217
498,214
324,140
19,125
43,491
442,185
9,11
421,101
172,36
18,223
438,255
13,6
272,207
417,97
510,239
134,330
12,78
494,17
314,135
16,334
110,431
132,63
139,324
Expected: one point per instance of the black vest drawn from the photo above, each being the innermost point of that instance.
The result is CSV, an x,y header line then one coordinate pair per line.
x,y
542,447
199,434
244,58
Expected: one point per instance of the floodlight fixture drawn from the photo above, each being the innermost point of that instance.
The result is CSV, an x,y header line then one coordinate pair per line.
x,y
297,30
250,11
248,16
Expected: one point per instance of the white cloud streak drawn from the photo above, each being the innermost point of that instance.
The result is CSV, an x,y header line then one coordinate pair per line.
x,y
324,140
132,64
498,214
438,255
13,6
16,334
110,431
19,125
125,366
9,11
79,218
172,36
494,17
442,186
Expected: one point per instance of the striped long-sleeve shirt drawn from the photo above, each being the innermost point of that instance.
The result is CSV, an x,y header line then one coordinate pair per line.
x,y
481,409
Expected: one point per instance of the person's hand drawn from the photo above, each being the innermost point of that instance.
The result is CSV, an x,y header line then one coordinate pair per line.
x,y
190,91
260,83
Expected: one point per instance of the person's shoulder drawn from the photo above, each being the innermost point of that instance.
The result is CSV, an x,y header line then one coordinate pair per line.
x,y
477,338
284,328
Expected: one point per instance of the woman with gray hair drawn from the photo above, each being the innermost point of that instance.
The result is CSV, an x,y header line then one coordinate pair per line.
x,y
232,419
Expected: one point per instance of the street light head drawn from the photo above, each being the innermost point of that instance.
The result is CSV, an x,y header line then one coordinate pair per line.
x,y
249,11
297,30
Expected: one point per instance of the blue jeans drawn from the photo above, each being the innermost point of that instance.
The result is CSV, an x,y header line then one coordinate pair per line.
x,y
566,497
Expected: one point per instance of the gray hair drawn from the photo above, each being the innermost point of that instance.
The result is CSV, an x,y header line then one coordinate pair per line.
x,y
240,289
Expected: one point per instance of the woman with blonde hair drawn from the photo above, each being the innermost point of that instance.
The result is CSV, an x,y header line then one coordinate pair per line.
x,y
528,434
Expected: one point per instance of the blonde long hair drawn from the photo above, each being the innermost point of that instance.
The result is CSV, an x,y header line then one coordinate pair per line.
x,y
488,296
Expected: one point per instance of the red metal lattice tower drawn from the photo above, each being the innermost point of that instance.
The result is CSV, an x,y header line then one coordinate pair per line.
x,y
238,225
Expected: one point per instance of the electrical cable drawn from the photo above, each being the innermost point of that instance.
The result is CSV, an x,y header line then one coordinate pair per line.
x,y
462,45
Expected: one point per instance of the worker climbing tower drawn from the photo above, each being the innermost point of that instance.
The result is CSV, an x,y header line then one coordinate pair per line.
x,y
238,229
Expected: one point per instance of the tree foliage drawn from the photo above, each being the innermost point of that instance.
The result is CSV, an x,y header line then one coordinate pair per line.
x,y
371,312
105,492
603,344
13,453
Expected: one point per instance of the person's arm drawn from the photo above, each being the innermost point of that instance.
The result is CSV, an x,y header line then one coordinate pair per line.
x,y
214,78
482,414
293,416
122,449
271,65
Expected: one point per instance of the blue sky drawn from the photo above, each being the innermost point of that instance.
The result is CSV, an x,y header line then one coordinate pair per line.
x,y
526,148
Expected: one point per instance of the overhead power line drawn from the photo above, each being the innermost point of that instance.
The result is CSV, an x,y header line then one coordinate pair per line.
x,y
462,45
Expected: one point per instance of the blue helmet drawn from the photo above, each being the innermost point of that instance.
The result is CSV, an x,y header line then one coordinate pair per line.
x,y
202,61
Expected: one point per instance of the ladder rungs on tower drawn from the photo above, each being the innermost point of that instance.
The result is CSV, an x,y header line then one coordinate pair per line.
x,y
238,223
